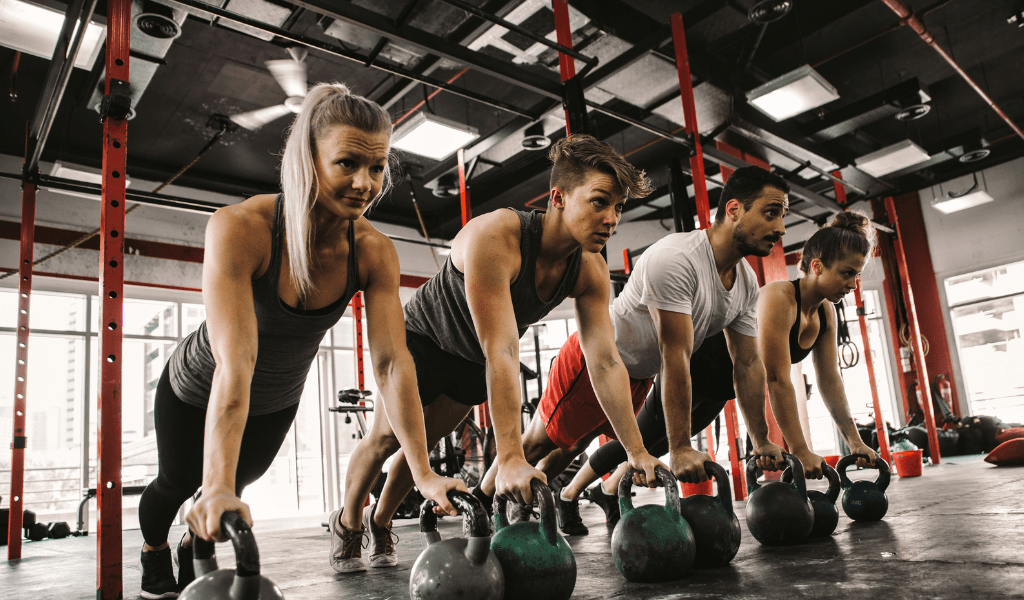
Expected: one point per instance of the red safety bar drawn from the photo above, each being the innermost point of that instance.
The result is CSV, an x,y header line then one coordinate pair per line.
x,y
357,321
915,335
28,219
700,186
108,442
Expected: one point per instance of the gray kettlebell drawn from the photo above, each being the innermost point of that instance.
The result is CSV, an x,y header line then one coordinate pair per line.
x,y
244,582
457,567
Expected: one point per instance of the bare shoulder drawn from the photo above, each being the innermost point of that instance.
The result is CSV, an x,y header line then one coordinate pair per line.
x,y
778,297
375,251
495,235
498,225
593,276
247,223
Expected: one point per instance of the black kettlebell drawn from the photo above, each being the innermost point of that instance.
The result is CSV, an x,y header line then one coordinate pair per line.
x,y
826,515
537,562
458,567
778,513
716,530
244,582
864,500
652,543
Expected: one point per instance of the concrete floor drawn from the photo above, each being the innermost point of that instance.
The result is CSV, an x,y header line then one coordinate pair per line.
x,y
955,532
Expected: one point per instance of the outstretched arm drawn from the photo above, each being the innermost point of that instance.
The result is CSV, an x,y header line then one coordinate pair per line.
x,y
749,382
395,371
607,373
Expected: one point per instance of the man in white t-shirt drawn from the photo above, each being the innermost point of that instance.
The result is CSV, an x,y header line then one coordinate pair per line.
x,y
685,288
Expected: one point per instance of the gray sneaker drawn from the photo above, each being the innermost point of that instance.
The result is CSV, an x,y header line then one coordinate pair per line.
x,y
382,540
346,546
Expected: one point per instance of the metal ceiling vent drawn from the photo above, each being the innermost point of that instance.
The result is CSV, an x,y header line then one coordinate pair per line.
x,y
535,138
912,113
157,20
447,186
769,10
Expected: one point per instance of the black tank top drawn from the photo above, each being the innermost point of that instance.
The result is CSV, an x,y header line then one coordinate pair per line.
x,y
796,353
288,338
439,309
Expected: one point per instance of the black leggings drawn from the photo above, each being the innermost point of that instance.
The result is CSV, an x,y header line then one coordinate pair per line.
x,y
711,382
180,429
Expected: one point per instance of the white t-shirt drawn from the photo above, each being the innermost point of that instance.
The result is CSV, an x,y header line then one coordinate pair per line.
x,y
678,274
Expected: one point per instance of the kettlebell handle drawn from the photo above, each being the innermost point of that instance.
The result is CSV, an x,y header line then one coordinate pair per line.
x,y
884,475
794,464
717,472
246,585
668,481
834,485
469,507
545,498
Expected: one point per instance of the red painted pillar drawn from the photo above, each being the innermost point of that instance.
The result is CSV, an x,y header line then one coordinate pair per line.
x,y
467,209
700,186
17,500
108,442
915,334
563,34
357,322
893,305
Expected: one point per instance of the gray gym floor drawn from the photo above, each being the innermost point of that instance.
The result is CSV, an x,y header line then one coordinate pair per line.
x,y
955,532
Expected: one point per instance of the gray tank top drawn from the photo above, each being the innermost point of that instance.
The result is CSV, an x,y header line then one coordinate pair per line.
x,y
288,338
439,309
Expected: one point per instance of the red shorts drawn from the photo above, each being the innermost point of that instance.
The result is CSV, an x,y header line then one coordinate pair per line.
x,y
569,406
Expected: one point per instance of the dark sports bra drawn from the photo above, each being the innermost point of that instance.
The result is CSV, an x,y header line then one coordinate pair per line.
x,y
796,353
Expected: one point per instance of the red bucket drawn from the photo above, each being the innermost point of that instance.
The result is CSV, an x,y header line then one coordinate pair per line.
x,y
693,489
908,463
832,460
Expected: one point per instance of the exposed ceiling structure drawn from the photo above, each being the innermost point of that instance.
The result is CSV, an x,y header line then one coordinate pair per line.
x,y
195,65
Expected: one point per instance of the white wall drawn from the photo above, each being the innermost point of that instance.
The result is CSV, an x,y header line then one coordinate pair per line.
x,y
978,238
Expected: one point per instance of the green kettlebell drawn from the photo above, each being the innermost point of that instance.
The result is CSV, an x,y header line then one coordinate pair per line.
x,y
826,515
864,500
778,513
537,561
652,543
716,530
458,567
244,582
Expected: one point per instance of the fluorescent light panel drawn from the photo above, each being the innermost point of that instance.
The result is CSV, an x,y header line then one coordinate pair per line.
x,y
947,205
795,92
34,29
893,158
432,136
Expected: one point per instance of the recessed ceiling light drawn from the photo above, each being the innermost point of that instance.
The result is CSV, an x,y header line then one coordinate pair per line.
x,y
892,158
950,204
795,92
534,138
769,10
34,29
975,155
432,136
912,113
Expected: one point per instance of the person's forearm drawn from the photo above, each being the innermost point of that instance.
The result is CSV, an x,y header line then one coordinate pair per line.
x,y
749,382
506,407
677,402
401,402
226,415
783,400
611,384
834,394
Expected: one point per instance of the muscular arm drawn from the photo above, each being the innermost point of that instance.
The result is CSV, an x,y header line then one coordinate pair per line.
x,y
607,373
393,366
749,382
830,382
232,256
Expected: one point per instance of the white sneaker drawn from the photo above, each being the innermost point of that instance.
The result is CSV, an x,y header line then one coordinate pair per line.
x,y
382,540
346,546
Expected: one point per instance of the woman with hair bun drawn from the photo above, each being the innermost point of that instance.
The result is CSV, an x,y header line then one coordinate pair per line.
x,y
796,318
278,272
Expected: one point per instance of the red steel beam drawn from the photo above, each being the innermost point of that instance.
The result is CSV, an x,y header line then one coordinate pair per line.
x,y
736,449
467,209
357,321
17,500
700,186
563,34
915,335
108,443
883,432
907,16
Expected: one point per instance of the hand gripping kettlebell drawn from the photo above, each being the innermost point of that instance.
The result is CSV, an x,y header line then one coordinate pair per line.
x,y
244,582
864,500
716,529
779,514
826,515
652,543
457,567
537,562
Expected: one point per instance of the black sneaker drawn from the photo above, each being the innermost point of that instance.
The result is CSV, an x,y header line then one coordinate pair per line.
x,y
158,575
569,520
186,570
487,501
608,503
